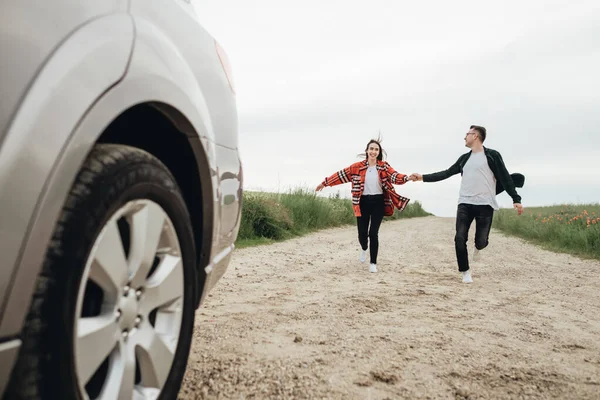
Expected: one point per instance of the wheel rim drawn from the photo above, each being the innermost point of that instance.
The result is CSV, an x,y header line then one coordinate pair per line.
x,y
129,306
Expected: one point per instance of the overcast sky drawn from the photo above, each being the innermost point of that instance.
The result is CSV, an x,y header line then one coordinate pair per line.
x,y
316,80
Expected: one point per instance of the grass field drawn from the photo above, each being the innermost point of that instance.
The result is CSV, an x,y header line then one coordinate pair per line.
x,y
270,217
573,229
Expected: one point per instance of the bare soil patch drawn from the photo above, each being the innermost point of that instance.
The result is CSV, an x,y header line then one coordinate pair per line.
x,y
304,319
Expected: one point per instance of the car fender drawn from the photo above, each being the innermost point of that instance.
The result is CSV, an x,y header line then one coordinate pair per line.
x,y
159,74
155,75
87,64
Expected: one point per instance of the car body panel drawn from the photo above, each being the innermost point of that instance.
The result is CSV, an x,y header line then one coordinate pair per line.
x,y
196,49
88,63
30,31
8,355
106,62
186,55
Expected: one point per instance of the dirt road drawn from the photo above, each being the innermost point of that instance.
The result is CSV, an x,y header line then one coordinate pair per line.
x,y
304,319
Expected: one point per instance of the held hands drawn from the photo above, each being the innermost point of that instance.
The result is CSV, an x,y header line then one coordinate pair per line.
x,y
415,177
519,208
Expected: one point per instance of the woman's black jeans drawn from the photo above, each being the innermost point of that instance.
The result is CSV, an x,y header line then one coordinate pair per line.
x,y
465,214
371,209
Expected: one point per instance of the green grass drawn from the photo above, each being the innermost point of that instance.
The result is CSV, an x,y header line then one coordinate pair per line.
x,y
573,229
271,217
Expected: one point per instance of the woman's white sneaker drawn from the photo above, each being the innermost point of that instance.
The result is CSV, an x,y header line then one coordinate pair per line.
x,y
363,256
466,276
373,268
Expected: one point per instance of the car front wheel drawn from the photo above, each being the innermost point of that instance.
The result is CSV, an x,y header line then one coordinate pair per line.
x,y
112,317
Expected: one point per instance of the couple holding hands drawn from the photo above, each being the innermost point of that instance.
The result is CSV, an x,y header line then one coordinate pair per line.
x,y
484,176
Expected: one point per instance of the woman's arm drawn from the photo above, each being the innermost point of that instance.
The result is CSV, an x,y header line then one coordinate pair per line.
x,y
396,177
342,176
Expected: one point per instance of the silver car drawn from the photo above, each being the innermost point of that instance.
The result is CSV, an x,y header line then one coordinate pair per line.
x,y
120,192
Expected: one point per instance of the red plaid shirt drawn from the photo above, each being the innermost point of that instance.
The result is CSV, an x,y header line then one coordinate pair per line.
x,y
356,173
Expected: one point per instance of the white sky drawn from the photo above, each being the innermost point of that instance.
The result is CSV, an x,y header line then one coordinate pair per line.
x,y
317,79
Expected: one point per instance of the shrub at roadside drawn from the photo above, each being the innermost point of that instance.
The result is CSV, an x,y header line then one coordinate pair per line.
x,y
268,217
567,228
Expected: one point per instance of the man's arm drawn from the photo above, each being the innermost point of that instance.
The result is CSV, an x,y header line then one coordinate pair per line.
x,y
505,179
396,177
441,175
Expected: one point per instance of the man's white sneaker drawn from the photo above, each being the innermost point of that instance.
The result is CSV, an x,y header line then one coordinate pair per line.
x,y
363,256
466,276
373,268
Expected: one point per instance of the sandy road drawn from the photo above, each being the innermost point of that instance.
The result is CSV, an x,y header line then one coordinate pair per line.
x,y
304,319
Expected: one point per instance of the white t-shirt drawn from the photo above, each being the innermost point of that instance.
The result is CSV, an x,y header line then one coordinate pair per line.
x,y
372,182
478,185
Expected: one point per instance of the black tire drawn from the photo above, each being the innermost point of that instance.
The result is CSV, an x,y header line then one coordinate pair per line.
x,y
111,176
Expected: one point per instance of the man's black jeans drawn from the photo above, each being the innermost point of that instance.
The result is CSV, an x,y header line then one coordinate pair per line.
x,y
465,214
371,210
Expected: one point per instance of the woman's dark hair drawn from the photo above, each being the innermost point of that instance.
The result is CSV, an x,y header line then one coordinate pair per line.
x,y
381,151
380,156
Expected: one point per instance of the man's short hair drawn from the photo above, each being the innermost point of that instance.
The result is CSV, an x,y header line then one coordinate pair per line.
x,y
481,131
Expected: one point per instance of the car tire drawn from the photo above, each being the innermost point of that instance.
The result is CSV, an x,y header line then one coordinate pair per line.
x,y
68,326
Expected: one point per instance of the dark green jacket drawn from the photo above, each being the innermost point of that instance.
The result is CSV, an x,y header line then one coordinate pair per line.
x,y
504,180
